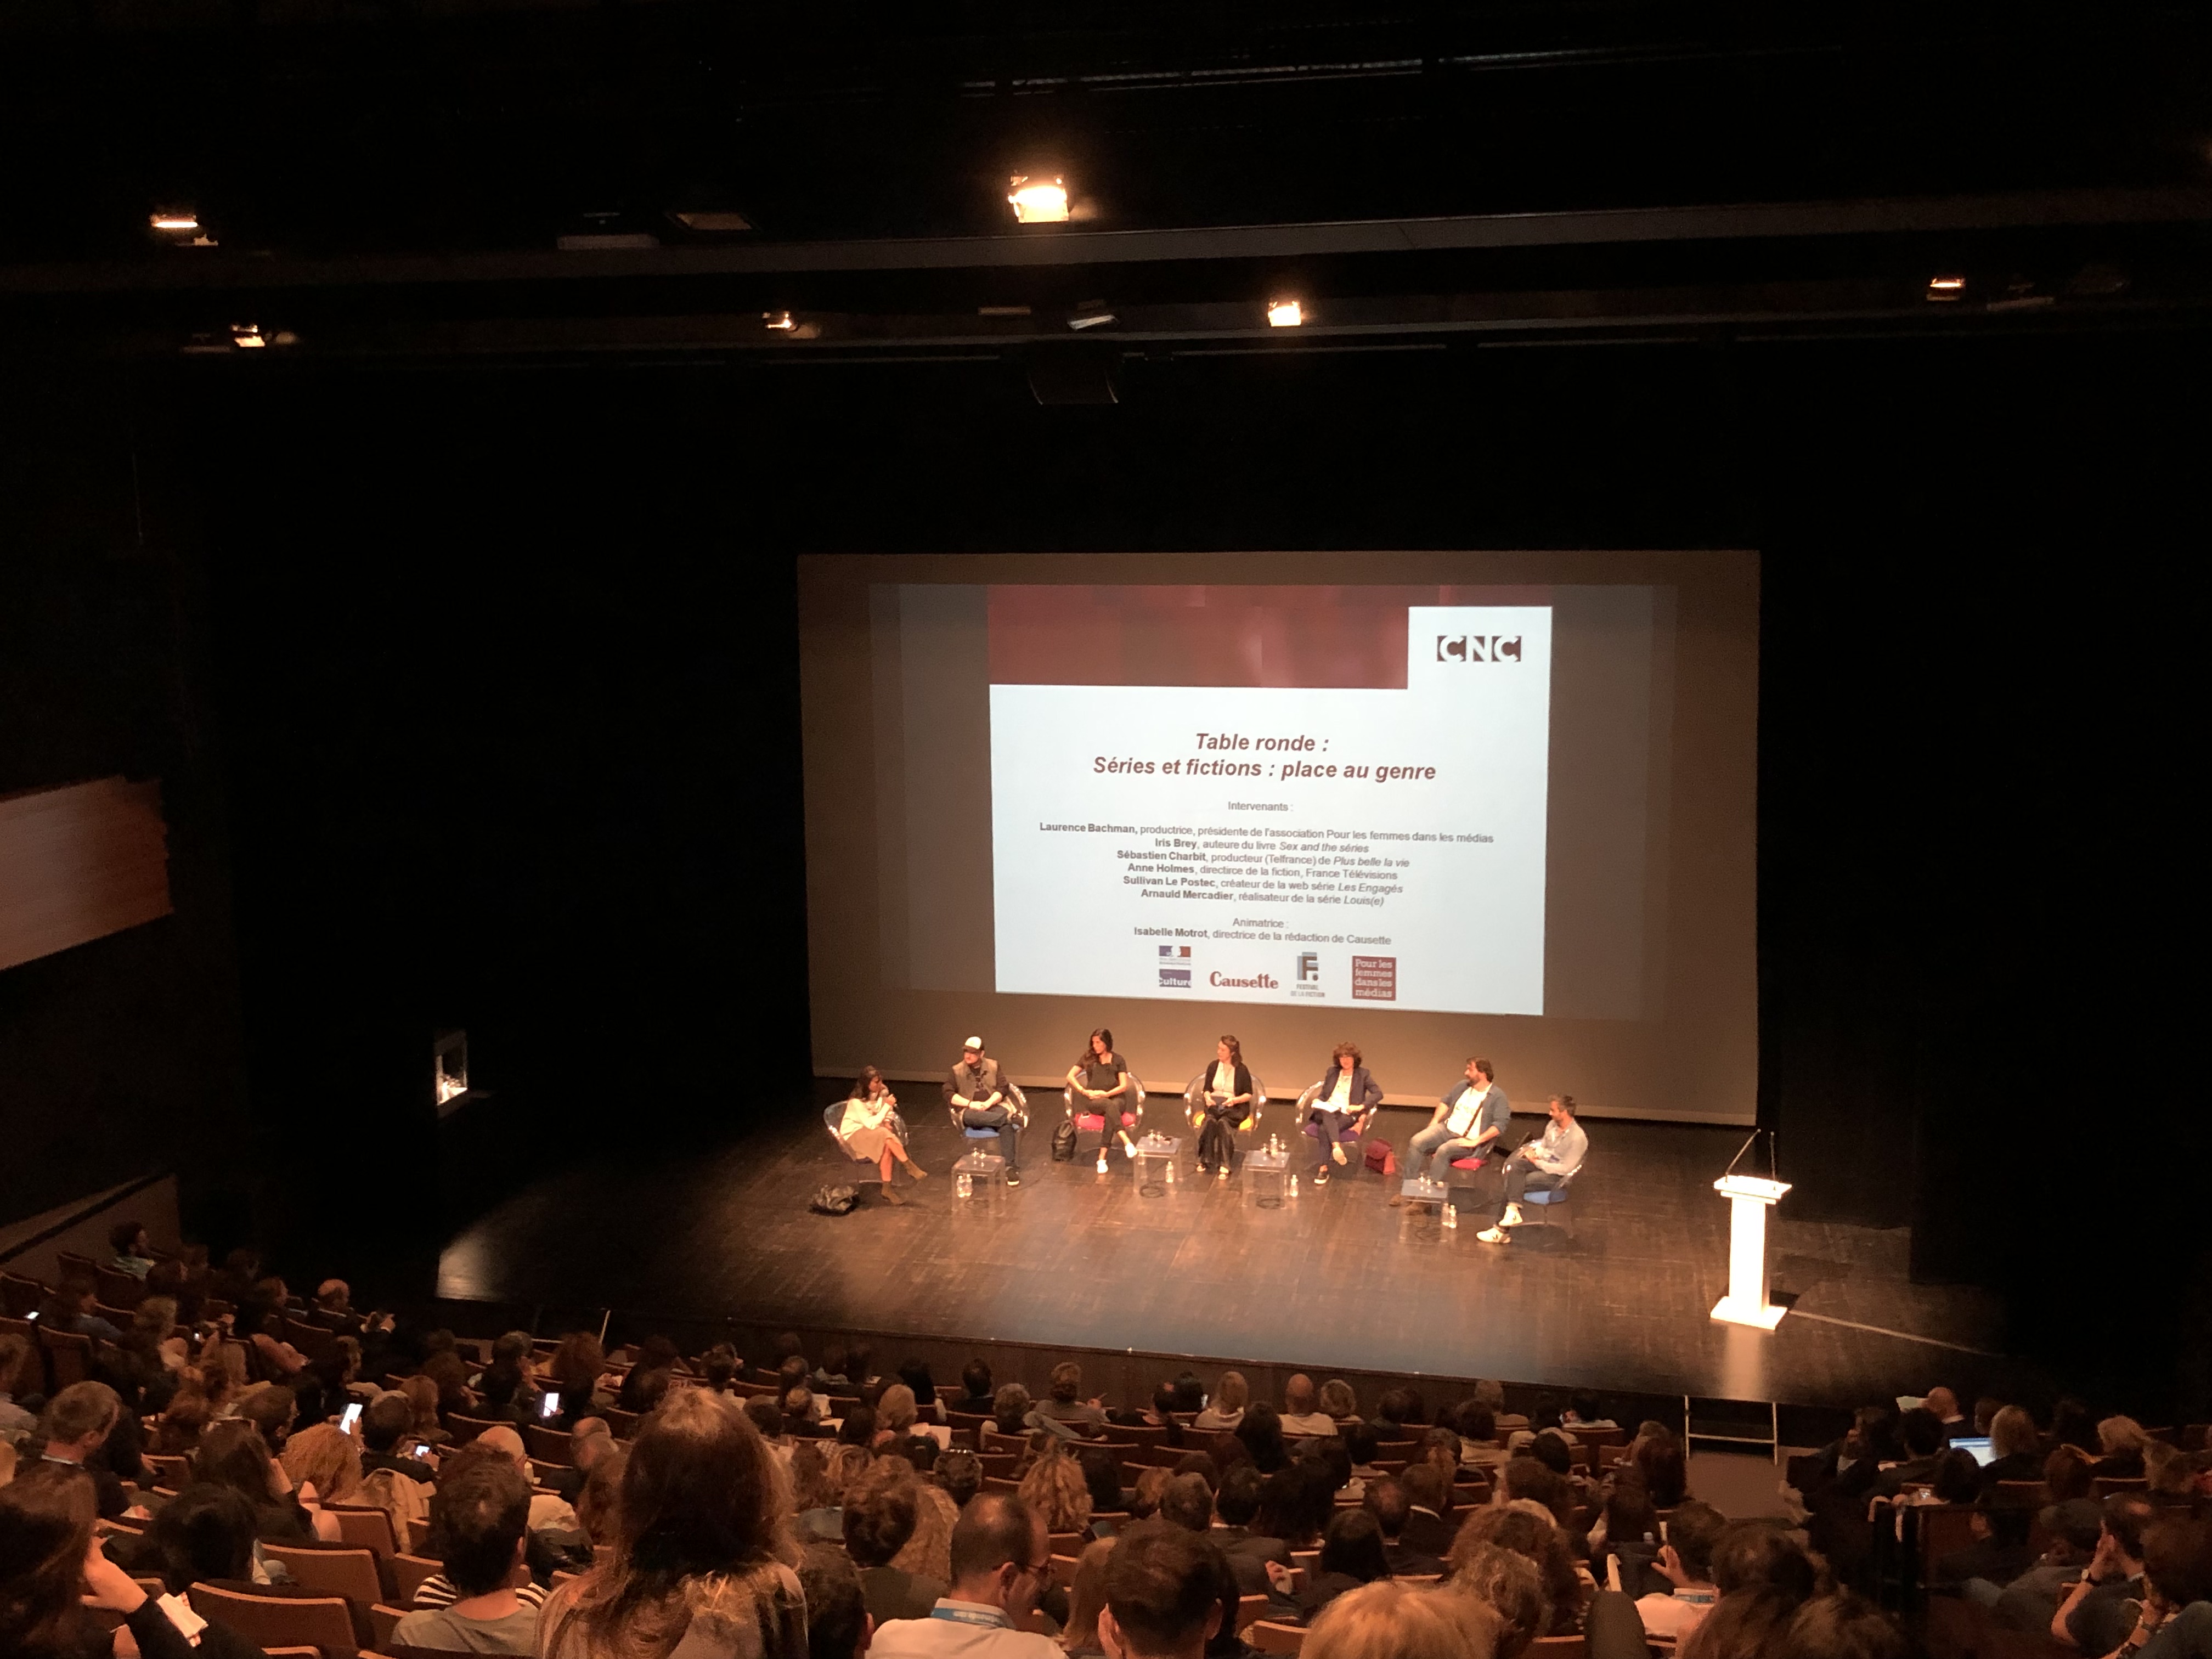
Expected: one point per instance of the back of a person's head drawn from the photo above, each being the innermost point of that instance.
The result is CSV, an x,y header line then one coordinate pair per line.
x,y
1386,1499
1477,1421
2128,1516
1184,1502
2177,1558
1427,1486
270,1407
232,1454
1510,1585
46,1529
1163,1590
1299,1395
1233,1393
858,1426
1238,1498
700,1494
388,1417
1693,1530
485,1511
599,1506
879,1513
976,1377
1666,1475
1553,1452
1066,1382
2010,1516
81,1409
1922,1431
2121,1434
1353,1544
1360,1442
1102,1476
2013,1432
325,1455
2067,1473
1545,1413
1388,1620
1009,1406
1845,1625
1958,1478
206,1531
994,1528
1337,1398
1746,1624
836,1607
510,1348
1751,1554
960,1473
1189,1392
765,1414
1524,1477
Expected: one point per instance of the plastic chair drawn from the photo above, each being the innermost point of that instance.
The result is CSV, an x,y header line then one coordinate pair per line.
x,y
1556,1208
1092,1121
1193,1099
865,1169
1017,1104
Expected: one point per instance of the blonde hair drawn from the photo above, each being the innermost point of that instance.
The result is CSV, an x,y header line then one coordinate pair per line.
x,y
1337,1398
2012,1432
328,1456
1055,1490
2120,1434
1388,1620
847,1465
1233,1394
896,1410
929,1552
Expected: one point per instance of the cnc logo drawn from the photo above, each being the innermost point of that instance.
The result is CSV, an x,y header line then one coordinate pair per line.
x,y
1479,647
1308,967
1175,967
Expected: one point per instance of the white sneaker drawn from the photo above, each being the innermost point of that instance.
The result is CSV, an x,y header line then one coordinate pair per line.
x,y
1222,1174
1128,1147
1336,1150
1491,1235
1511,1218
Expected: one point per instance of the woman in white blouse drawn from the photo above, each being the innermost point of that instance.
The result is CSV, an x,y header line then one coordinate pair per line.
x,y
1225,1096
865,1129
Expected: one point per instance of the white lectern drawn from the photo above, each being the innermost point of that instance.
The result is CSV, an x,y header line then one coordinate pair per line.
x,y
1749,1199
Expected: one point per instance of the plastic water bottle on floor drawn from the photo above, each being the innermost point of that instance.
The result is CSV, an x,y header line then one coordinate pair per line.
x,y
963,1185
1451,1216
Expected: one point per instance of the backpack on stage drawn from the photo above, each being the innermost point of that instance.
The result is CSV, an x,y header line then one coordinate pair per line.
x,y
1380,1159
836,1201
1063,1142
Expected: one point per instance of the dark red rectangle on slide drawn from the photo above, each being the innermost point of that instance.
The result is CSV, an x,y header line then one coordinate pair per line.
x,y
1319,637
1375,979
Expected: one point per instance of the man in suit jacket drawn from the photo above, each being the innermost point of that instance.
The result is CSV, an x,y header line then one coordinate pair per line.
x,y
1428,1503
879,1516
1234,1506
1387,1501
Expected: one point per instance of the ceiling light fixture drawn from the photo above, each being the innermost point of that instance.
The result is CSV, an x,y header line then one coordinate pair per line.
x,y
184,219
1946,286
1038,201
248,336
1095,319
782,321
1286,314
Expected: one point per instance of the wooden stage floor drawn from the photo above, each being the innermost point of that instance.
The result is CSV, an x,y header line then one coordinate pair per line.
x,y
1333,1279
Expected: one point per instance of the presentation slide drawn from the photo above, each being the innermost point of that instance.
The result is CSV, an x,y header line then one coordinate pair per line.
x,y
1435,804
1379,845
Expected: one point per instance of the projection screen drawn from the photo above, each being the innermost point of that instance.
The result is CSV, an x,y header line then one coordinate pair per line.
x,y
1435,804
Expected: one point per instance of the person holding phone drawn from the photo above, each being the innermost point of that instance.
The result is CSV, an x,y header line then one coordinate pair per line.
x,y
1224,1095
865,1130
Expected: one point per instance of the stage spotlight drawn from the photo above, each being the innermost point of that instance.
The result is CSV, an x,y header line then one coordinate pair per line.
x,y
182,219
1096,318
782,321
1038,201
1286,314
248,336
1947,287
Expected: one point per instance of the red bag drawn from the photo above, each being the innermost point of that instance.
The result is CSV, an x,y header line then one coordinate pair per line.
x,y
1380,1159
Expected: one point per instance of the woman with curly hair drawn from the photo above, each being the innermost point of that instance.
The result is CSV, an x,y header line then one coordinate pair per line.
x,y
928,1550
1536,1538
325,1460
1056,1493
703,1566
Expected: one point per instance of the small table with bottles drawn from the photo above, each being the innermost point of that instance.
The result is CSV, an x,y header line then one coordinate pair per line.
x,y
1155,1162
1268,1173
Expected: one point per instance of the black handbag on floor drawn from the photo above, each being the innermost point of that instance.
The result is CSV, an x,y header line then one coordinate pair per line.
x,y
836,1201
1063,1142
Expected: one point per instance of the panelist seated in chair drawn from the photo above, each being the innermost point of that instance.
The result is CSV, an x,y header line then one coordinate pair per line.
x,y
980,1097
1342,1109
1220,1097
1099,1085
868,1130
1467,1120
1542,1166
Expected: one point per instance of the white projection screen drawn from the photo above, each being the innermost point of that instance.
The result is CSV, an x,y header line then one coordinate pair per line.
x,y
1436,804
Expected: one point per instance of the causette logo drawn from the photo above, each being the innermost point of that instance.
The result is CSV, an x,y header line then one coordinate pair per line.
x,y
1479,647
1256,982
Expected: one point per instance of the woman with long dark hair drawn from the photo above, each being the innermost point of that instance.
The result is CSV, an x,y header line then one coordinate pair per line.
x,y
865,1130
1224,1095
704,1559
1100,1077
52,1573
1342,1109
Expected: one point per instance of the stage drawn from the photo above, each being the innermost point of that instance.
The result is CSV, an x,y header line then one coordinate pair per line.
x,y
1332,1280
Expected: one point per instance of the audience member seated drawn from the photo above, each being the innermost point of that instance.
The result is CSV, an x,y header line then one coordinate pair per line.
x,y
1387,1500
1086,1600
574,1372
2031,1601
2171,1476
838,1624
2096,1615
1340,1403
1102,1478
1226,1409
880,1510
485,1513
959,1475
182,1424
978,1395
928,1553
1943,1406
1351,1554
1056,1492
322,1464
1507,1586
702,1567
1428,1500
1001,1561
2000,1551
1066,1404
1658,1458
1395,1622
1236,1506
1586,1411
506,1389
1923,1435
1844,1625
1686,1562
547,1511
53,1579
1163,1596
19,1376
2066,1474
2175,1620
1302,1413
74,1426
232,1454
2015,1448
1534,1536
2121,1443
599,1506
70,1308
204,1534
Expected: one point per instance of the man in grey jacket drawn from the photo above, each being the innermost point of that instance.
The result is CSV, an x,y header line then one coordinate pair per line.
x,y
977,1092
1467,1120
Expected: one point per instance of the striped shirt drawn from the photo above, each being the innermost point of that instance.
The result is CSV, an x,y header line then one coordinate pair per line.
x,y
437,1592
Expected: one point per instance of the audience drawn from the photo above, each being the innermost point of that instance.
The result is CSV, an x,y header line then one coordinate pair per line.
x,y
2096,1614
485,1514
1163,1596
53,1580
1509,1587
1302,1413
838,1623
204,1534
999,1564
1086,1600
75,1426
880,1511
1528,1532
1351,1554
1226,1408
1686,1562
1066,1404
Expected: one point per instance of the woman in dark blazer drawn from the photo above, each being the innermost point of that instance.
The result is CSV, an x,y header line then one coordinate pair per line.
x,y
1224,1094
1343,1108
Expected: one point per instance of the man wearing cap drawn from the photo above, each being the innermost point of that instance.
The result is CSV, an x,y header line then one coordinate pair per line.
x,y
976,1091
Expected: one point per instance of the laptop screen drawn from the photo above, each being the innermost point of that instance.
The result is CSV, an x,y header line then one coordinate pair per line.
x,y
1979,1445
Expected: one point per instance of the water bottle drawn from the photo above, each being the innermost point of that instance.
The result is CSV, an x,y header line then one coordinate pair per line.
x,y
963,1185
1451,1216
1294,1183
